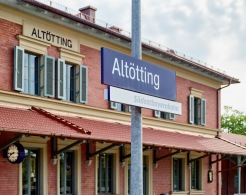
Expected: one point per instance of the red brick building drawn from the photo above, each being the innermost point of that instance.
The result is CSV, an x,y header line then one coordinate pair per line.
x,y
69,139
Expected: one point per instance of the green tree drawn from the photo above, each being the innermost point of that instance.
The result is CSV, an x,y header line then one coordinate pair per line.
x,y
233,121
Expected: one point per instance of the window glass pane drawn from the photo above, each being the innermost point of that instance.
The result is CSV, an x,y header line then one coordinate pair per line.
x,y
195,175
26,73
67,173
30,172
105,174
31,73
70,82
177,174
197,111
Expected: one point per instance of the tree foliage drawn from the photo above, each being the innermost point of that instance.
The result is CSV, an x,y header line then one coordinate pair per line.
x,y
233,121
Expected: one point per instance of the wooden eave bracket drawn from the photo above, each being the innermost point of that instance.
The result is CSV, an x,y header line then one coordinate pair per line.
x,y
195,159
165,156
89,154
55,150
13,140
123,156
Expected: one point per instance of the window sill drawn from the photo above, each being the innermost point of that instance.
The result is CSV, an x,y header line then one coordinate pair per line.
x,y
179,192
195,192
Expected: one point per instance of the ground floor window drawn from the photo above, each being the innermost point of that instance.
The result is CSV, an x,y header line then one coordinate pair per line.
x,y
178,183
106,174
31,172
67,168
195,175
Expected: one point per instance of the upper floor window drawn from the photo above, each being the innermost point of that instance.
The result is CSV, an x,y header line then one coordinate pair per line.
x,y
72,82
120,107
35,74
164,115
197,110
31,73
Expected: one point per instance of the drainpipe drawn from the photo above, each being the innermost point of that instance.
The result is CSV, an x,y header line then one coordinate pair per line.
x,y
219,106
219,132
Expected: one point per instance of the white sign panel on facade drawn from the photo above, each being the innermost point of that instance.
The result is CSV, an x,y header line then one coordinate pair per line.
x,y
145,101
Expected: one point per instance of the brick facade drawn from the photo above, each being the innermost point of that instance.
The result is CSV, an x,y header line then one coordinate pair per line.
x,y
161,176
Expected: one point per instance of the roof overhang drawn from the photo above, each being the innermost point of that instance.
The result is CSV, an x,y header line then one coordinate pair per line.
x,y
30,122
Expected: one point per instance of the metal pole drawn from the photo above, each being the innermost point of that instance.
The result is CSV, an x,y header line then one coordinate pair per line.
x,y
136,115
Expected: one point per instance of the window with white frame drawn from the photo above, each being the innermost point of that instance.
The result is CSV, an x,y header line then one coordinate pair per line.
x,y
35,74
120,107
195,172
67,173
105,173
31,181
197,110
178,174
33,177
72,82
164,115
31,73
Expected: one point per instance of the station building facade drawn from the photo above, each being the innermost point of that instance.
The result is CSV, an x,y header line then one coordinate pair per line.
x,y
70,140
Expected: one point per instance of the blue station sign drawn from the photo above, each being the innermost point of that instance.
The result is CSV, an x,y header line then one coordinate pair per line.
x,y
123,71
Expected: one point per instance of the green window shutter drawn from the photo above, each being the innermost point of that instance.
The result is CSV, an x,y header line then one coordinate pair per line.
x,y
61,79
171,116
49,75
19,68
191,109
83,80
113,105
157,113
203,112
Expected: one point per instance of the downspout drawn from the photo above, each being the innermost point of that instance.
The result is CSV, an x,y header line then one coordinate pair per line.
x,y
218,178
219,107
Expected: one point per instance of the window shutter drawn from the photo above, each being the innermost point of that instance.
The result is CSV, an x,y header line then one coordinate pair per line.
x,y
113,105
157,113
191,109
61,79
19,68
49,68
203,112
171,116
83,79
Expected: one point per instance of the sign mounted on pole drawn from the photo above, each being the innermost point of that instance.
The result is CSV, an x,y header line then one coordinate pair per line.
x,y
144,101
127,72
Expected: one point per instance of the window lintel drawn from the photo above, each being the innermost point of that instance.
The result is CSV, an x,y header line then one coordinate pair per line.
x,y
196,92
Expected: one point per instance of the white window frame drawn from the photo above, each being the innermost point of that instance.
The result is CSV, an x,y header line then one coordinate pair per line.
x,y
43,90
183,156
115,152
77,164
39,143
158,114
201,112
201,171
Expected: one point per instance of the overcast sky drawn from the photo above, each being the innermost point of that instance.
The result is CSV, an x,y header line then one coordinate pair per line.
x,y
213,31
